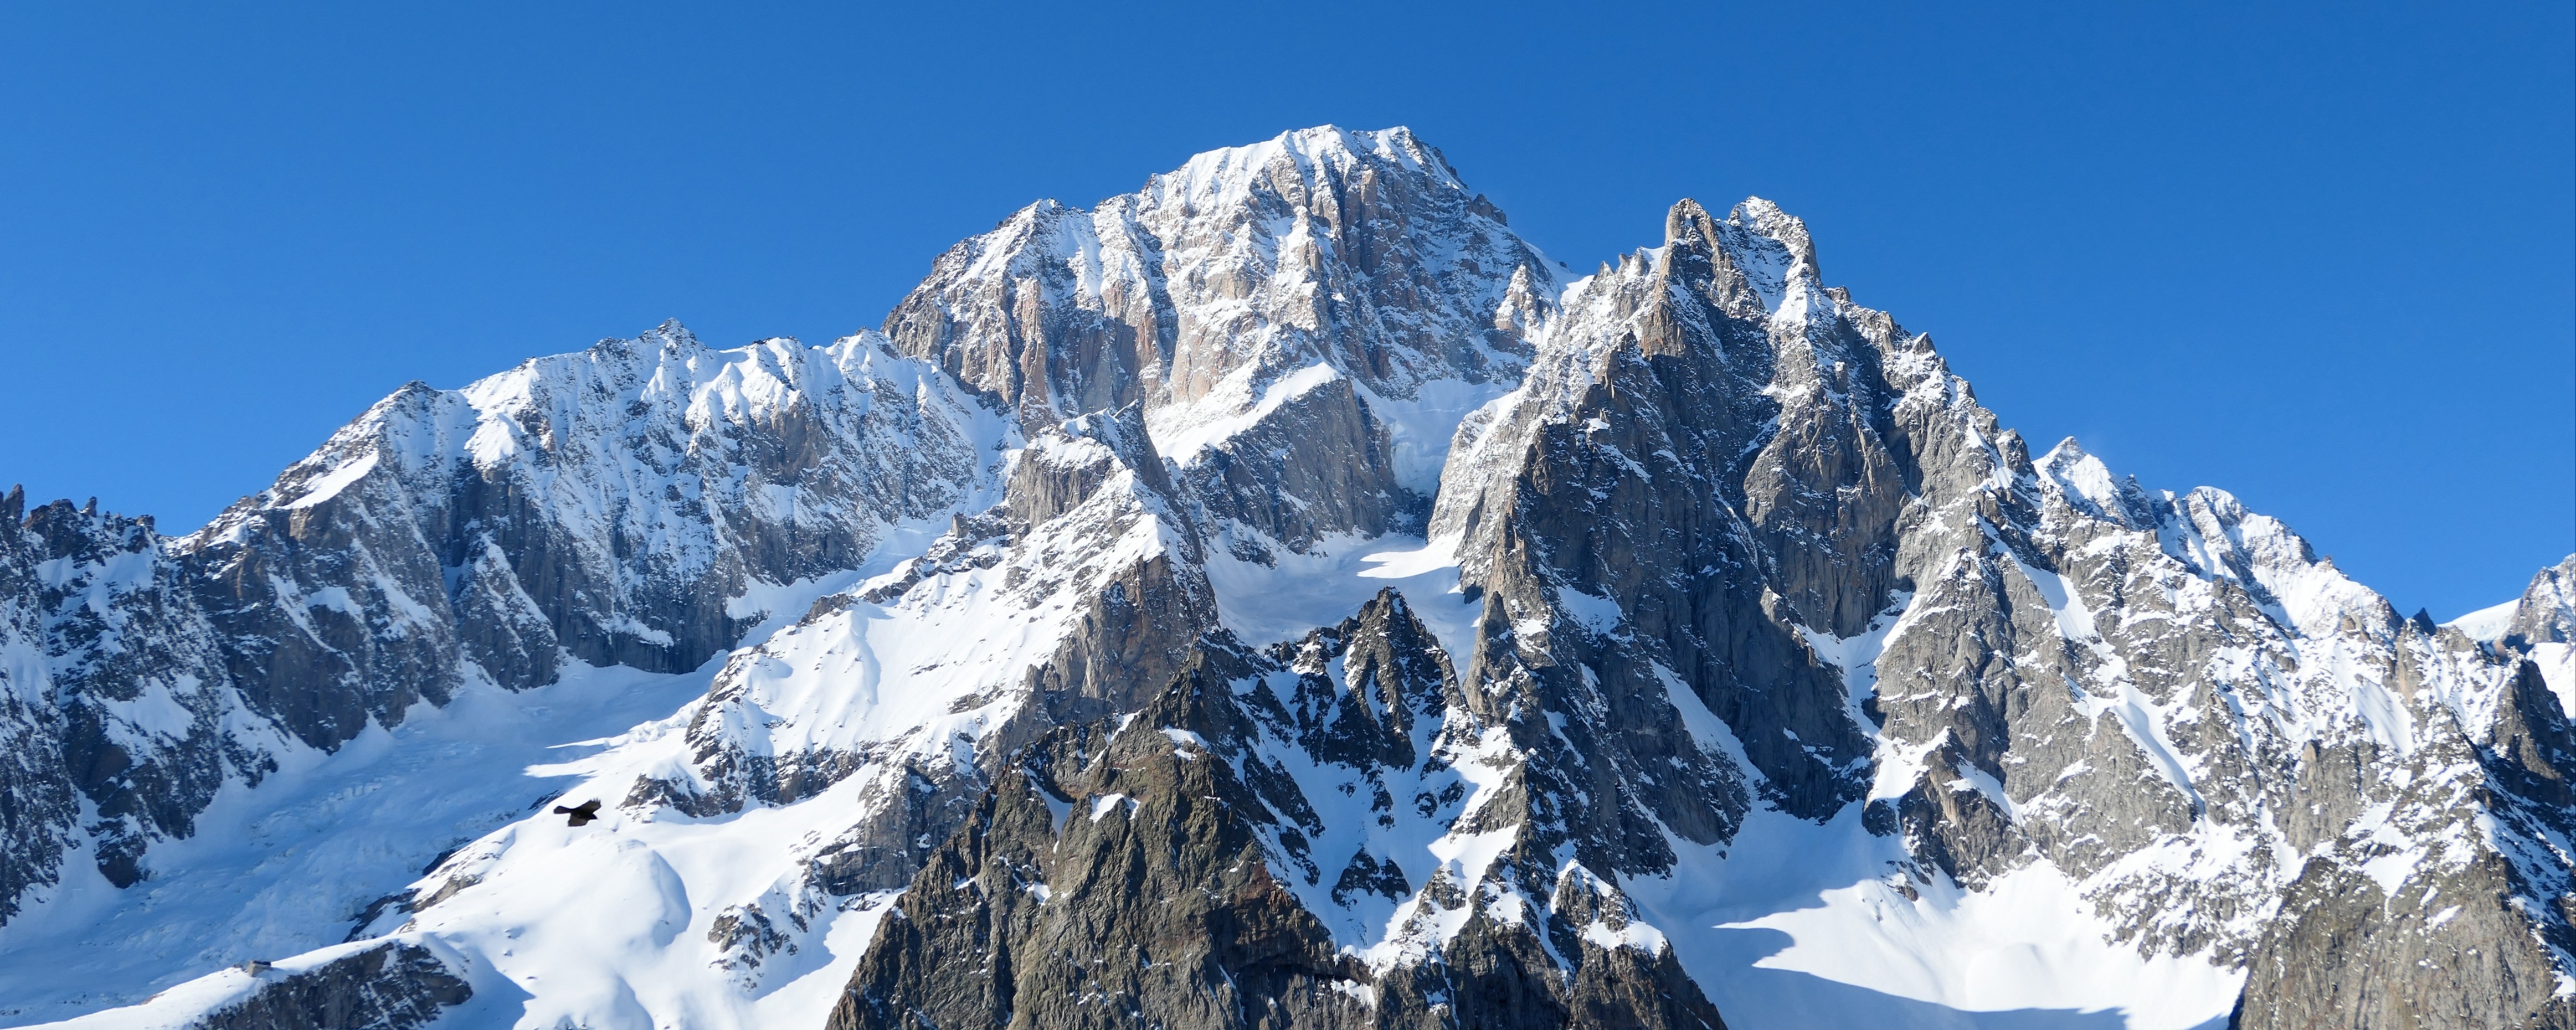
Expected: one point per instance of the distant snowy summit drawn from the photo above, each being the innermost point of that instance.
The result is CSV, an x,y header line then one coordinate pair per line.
x,y
1275,597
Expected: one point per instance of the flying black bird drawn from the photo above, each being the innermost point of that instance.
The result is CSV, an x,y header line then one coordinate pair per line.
x,y
582,813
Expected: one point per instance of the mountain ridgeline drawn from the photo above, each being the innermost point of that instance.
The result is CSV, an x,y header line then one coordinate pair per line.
x,y
1284,596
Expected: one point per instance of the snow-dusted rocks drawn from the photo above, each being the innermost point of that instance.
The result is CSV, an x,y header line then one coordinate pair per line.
x,y
646,502
631,503
1344,288
1271,597
121,713
377,985
1255,847
1054,607
41,813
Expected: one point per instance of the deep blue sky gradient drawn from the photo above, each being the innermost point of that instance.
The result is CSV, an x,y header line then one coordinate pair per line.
x,y
2321,256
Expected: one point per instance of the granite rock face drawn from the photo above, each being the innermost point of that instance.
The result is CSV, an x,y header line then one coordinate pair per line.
x,y
1280,596
615,505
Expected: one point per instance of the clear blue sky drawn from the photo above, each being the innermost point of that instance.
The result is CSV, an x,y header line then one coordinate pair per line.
x,y
2323,257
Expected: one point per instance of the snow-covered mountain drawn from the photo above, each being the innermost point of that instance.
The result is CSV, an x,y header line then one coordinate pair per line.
x,y
1279,596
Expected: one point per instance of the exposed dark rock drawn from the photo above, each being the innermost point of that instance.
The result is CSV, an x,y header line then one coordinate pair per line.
x,y
392,986
1121,876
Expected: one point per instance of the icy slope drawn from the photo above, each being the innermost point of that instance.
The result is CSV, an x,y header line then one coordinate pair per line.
x,y
291,866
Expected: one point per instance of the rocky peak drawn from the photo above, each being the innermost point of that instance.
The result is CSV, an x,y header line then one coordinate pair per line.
x,y
2080,481
2546,613
1324,279
1744,265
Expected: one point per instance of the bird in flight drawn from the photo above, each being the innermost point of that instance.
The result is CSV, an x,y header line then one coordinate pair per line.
x,y
582,813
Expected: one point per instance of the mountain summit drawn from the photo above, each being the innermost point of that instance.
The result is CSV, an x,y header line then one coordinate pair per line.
x,y
1275,597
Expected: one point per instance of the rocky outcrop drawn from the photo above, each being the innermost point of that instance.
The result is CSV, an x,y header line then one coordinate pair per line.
x,y
2024,661
121,717
1162,870
1239,357
1011,924
1668,370
614,505
2446,951
2424,913
151,723
392,986
1720,478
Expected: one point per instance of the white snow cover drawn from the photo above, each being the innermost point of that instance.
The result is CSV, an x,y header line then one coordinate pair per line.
x,y
1270,603
1794,923
2488,623
607,924
603,925
1183,442
283,869
1804,925
944,661
2558,667
2546,612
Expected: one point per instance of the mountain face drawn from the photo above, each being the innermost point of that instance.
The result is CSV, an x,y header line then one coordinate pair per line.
x,y
1281,596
